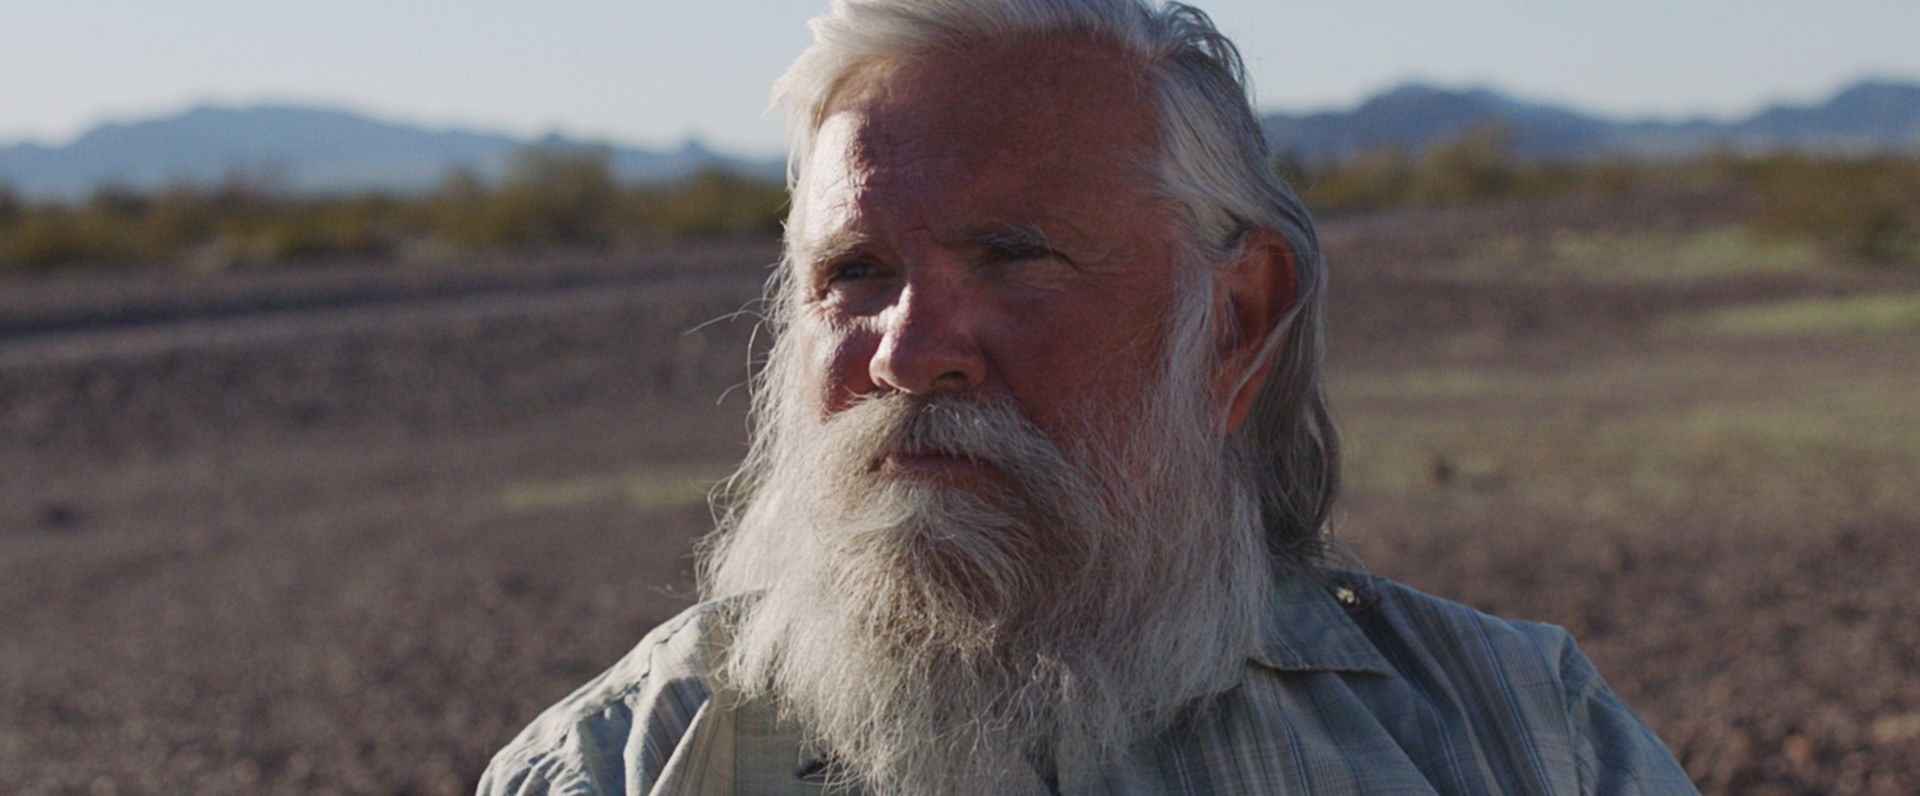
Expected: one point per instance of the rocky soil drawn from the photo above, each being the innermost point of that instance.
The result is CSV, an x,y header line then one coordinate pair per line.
x,y
348,528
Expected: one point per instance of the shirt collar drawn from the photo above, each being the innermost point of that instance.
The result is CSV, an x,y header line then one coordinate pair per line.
x,y
1308,627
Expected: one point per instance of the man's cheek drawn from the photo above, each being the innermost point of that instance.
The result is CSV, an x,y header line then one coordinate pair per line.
x,y
836,365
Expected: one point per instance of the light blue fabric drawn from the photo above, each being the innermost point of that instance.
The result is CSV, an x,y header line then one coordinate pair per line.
x,y
1362,686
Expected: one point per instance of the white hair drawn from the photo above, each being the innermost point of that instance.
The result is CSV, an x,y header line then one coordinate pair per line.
x,y
939,639
1213,166
944,640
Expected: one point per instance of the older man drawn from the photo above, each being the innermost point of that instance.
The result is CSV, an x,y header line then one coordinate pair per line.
x,y
1036,496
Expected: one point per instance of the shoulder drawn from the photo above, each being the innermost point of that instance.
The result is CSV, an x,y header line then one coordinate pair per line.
x,y
625,721
1519,675
1461,633
1468,653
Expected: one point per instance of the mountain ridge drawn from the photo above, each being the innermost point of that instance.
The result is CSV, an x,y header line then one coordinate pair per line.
x,y
1867,116
313,150
316,149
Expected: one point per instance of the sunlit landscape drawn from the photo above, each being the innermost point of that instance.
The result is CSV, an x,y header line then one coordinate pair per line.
x,y
347,524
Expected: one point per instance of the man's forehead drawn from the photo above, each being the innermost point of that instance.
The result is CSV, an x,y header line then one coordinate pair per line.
x,y
1002,96
1030,70
1012,121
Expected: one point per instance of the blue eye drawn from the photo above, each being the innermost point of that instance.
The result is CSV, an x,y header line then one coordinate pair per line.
x,y
852,271
1017,253
1015,246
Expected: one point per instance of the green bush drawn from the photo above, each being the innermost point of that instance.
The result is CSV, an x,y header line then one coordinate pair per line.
x,y
1475,166
10,205
550,197
714,204
553,197
1867,207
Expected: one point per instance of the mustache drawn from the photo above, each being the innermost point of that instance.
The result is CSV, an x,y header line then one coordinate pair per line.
x,y
987,430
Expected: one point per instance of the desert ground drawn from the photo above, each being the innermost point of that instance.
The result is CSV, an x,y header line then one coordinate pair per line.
x,y
347,528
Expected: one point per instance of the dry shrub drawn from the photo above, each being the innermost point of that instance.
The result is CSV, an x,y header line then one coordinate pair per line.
x,y
1476,166
1868,207
550,197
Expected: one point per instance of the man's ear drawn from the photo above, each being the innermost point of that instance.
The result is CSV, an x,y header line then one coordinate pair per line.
x,y
1255,290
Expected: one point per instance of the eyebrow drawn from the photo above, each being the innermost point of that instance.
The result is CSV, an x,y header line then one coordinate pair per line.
x,y
835,245
1005,235
841,243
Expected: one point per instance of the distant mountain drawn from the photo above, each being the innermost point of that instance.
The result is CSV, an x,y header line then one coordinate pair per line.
x,y
310,150
319,150
1867,117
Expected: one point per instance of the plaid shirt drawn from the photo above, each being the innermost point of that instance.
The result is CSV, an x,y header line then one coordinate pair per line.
x,y
1363,686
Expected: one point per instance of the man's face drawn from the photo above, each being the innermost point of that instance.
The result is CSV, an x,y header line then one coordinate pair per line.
x,y
995,517
986,224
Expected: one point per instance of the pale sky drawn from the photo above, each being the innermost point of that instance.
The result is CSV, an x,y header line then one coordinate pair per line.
x,y
653,73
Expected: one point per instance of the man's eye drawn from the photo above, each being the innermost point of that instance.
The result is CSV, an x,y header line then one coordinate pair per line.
x,y
1007,254
850,277
853,271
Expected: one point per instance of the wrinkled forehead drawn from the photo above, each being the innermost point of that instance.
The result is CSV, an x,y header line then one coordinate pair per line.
x,y
1007,96
1047,110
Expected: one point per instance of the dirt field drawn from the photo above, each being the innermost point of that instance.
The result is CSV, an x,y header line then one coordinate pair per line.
x,y
348,528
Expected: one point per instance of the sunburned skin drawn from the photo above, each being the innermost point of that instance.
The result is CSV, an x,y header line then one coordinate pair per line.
x,y
966,230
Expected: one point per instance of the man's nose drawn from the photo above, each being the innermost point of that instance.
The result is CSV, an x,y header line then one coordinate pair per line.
x,y
930,343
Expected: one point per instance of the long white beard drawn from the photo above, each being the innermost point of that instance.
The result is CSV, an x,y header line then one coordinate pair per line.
x,y
952,639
